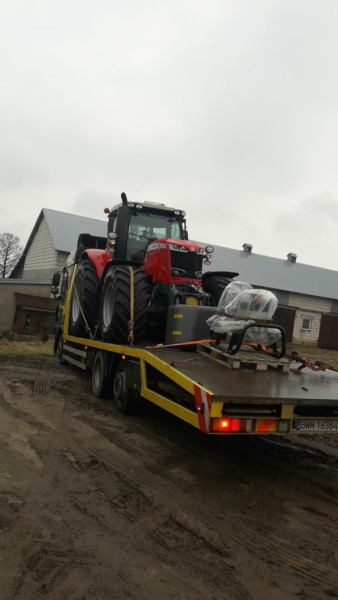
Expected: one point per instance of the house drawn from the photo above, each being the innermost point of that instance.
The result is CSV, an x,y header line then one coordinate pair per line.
x,y
307,295
26,305
53,237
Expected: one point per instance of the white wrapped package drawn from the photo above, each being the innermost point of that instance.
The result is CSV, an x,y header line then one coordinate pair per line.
x,y
253,304
243,302
229,294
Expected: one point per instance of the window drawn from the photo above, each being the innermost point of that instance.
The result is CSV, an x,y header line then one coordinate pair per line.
x,y
144,227
283,297
306,324
334,307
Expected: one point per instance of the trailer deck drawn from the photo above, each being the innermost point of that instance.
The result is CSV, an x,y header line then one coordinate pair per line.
x,y
248,385
216,399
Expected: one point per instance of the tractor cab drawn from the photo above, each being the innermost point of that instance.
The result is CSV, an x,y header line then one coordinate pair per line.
x,y
132,226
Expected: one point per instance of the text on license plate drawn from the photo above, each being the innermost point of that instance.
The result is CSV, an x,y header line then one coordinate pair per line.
x,y
316,425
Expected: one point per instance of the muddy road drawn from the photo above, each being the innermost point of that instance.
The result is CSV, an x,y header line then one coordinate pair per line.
x,y
96,506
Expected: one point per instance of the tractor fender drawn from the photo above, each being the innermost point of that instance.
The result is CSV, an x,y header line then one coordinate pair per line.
x,y
99,258
225,274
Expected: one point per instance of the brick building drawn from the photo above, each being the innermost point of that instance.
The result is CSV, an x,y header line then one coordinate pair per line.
x,y
307,295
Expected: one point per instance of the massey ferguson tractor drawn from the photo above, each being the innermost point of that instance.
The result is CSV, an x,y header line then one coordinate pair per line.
x,y
125,283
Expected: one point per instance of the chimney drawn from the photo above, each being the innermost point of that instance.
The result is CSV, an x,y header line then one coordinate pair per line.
x,y
247,248
292,257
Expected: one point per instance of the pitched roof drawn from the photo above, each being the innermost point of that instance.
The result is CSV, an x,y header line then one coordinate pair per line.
x,y
276,273
259,270
65,228
35,302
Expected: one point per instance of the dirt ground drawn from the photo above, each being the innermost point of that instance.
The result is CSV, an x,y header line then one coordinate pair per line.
x,y
96,506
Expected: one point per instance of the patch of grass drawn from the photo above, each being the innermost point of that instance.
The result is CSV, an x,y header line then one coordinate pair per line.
x,y
17,349
329,357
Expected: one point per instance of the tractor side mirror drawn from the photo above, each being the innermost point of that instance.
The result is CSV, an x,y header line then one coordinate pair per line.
x,y
56,280
54,291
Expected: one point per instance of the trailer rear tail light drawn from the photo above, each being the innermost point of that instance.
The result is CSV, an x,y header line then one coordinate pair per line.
x,y
231,425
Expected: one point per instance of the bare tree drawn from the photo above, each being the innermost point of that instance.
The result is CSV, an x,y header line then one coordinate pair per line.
x,y
10,252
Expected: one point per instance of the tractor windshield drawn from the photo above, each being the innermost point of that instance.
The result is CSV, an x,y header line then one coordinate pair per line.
x,y
144,227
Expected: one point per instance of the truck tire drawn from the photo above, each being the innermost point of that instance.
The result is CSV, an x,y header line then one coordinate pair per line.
x,y
115,305
102,383
59,350
86,282
124,397
216,288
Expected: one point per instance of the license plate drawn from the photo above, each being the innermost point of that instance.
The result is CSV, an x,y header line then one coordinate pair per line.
x,y
316,425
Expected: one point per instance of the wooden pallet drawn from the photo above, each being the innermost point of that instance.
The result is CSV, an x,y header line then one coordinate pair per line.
x,y
246,358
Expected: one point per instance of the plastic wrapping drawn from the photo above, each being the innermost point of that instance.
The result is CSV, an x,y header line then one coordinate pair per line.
x,y
230,292
241,305
253,304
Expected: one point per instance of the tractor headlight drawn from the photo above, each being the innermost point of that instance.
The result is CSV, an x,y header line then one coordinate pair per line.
x,y
209,249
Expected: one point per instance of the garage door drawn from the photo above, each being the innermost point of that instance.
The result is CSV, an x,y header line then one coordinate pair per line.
x,y
328,333
285,317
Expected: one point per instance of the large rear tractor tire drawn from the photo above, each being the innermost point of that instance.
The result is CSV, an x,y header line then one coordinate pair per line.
x,y
115,305
84,299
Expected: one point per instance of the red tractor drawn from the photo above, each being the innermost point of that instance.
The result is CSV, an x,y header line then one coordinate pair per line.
x,y
126,282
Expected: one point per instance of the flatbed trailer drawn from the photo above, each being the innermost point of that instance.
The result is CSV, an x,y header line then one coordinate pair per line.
x,y
202,390
212,397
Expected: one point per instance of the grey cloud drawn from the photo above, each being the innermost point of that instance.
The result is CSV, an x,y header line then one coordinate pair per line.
x,y
226,110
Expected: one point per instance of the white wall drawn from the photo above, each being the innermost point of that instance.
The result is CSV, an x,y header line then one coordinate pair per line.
x,y
311,307
41,259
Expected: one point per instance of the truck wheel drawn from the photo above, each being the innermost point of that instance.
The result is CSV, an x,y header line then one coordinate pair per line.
x,y
216,286
124,397
59,350
101,381
115,304
86,281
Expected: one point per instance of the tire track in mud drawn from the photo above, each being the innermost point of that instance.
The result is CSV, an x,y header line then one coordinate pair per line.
x,y
22,528
127,543
195,517
239,534
257,544
36,555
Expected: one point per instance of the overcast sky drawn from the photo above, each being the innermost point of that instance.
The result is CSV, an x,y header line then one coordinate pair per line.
x,y
227,109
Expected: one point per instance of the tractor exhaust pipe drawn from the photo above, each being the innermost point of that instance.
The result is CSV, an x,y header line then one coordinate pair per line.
x,y
124,199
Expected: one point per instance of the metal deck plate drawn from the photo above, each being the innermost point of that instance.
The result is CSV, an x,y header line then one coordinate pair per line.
x,y
226,384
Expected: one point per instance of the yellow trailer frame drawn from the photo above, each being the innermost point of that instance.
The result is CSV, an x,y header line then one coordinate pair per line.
x,y
223,401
